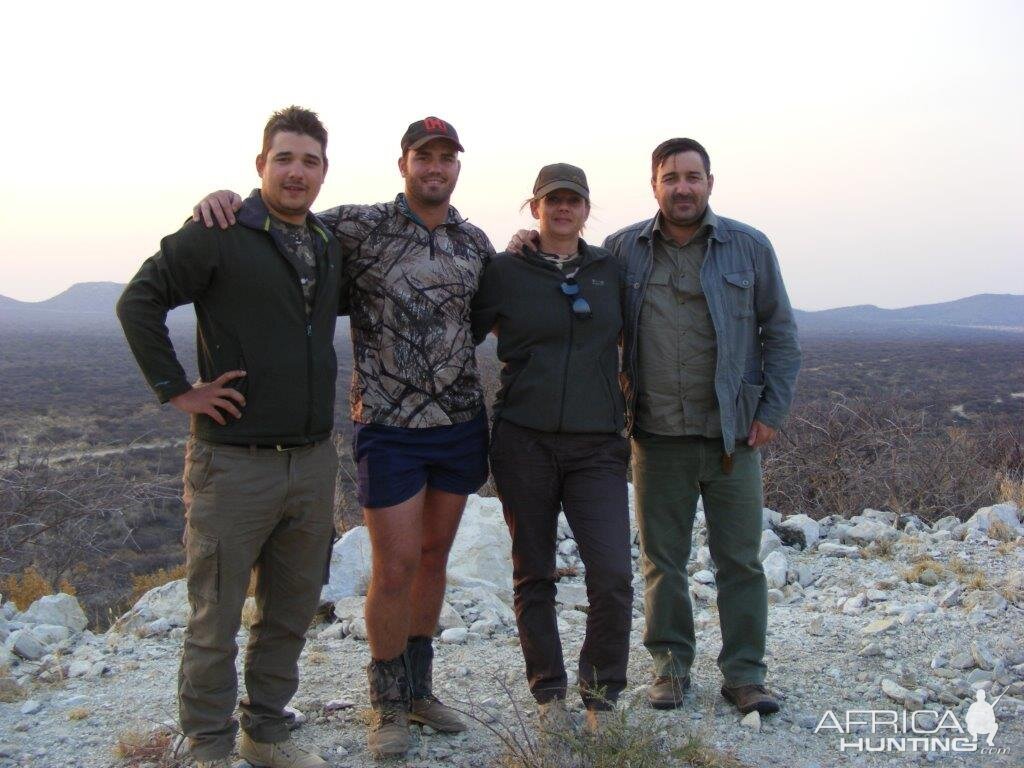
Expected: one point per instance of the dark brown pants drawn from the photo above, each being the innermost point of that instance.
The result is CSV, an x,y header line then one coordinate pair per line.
x,y
250,509
536,474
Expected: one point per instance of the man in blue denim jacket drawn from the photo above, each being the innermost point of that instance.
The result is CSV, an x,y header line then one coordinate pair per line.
x,y
710,360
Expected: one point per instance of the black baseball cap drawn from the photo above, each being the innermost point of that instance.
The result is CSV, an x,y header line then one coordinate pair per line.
x,y
561,176
428,129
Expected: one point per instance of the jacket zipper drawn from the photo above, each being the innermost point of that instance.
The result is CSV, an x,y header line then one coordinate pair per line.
x,y
565,370
309,378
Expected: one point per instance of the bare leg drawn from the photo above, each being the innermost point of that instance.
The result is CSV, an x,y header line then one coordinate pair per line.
x,y
442,512
396,537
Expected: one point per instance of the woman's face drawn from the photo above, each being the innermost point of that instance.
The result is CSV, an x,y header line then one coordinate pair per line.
x,y
561,213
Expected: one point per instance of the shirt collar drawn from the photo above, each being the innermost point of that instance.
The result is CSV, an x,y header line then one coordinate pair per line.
x,y
708,226
454,217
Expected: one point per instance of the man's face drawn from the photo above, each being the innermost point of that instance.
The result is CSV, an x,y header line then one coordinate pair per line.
x,y
561,213
292,171
682,188
430,172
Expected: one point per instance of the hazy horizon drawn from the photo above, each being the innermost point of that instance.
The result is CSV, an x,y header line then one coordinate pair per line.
x,y
878,146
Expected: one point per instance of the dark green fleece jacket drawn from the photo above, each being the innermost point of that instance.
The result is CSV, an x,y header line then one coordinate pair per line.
x,y
559,371
251,316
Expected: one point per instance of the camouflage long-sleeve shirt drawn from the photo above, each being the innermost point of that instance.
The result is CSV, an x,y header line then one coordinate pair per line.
x,y
414,363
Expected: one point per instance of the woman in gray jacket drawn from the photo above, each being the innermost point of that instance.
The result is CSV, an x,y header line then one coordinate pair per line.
x,y
557,440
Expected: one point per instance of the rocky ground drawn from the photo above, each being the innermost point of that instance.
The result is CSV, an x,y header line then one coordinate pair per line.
x,y
872,613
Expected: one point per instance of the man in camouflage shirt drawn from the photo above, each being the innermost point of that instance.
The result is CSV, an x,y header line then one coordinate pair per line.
x,y
420,435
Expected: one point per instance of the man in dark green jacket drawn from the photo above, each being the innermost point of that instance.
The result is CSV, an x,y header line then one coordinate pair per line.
x,y
260,465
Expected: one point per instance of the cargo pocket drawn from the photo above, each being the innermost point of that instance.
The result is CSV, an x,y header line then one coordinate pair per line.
x,y
198,458
203,566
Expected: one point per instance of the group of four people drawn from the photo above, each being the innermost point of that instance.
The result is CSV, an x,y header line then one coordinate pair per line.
x,y
709,359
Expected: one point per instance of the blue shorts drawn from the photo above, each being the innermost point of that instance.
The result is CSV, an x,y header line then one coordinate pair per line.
x,y
394,463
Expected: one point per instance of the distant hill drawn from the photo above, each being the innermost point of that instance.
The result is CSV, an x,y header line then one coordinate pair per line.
x,y
89,307
1000,312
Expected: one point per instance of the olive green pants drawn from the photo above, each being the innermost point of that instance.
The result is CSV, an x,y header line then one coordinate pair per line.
x,y
669,474
250,509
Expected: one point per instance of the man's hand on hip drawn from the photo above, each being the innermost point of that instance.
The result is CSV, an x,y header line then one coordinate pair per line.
x,y
220,205
207,397
759,434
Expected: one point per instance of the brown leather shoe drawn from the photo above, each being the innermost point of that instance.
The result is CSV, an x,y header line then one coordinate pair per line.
x,y
666,692
747,698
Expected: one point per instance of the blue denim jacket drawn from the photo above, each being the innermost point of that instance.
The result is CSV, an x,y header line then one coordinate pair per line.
x,y
758,352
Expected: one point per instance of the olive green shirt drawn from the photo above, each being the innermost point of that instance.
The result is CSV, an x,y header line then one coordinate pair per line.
x,y
677,349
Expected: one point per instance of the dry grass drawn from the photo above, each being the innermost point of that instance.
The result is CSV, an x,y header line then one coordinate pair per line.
x,y
137,748
1009,546
976,581
10,691
697,753
1011,489
79,713
147,581
1000,531
883,549
919,566
25,588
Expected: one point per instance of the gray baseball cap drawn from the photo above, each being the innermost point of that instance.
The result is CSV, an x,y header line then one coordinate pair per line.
x,y
561,176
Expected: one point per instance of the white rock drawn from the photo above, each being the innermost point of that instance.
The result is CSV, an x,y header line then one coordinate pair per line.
x,y
485,627
357,628
884,517
573,617
50,634
154,628
703,592
1006,513
488,600
704,576
454,635
169,601
449,618
704,557
878,626
894,690
350,608
79,668
351,565
868,532
24,644
59,609
806,575
752,721
568,593
838,550
806,525
334,631
769,517
854,606
770,542
951,597
775,567
30,707
564,529
567,547
482,552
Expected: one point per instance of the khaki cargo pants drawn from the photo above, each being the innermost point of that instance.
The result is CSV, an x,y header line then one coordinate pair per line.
x,y
250,509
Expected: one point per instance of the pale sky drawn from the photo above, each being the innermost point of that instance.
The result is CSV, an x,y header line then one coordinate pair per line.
x,y
878,144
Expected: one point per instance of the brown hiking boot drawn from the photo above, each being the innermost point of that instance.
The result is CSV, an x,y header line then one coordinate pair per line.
x,y
427,709
666,692
747,698
389,697
281,754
